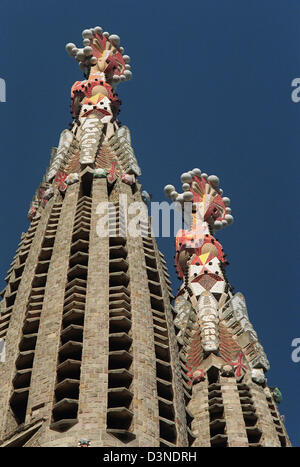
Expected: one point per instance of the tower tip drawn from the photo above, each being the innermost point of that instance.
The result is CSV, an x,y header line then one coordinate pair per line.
x,y
206,197
101,53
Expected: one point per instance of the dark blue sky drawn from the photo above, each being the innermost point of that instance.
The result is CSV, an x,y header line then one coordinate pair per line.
x,y
211,89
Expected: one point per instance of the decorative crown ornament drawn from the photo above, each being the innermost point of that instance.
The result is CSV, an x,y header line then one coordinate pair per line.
x,y
208,203
101,56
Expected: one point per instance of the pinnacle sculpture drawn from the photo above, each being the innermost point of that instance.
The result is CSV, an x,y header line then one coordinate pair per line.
x,y
93,353
218,345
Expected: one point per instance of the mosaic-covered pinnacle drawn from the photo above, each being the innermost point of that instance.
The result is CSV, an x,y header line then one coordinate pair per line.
x,y
101,53
207,199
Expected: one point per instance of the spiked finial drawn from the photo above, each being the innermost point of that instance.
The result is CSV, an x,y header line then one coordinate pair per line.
x,y
101,54
201,190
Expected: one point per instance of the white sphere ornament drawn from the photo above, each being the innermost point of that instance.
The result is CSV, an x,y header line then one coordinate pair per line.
x,y
80,55
115,39
128,74
93,60
188,196
126,58
88,51
204,175
86,42
127,67
226,201
74,51
69,47
197,172
168,190
186,187
87,34
217,225
173,195
224,223
121,49
116,78
228,210
229,218
213,180
98,30
105,34
186,177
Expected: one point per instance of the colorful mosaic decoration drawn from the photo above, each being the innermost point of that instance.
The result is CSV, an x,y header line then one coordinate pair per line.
x,y
94,103
61,181
211,320
101,55
95,138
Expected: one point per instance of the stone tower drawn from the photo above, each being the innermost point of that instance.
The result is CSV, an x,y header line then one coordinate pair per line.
x,y
88,345
225,386
86,322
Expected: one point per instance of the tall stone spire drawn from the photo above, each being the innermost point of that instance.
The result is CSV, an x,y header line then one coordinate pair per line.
x,y
225,363
86,327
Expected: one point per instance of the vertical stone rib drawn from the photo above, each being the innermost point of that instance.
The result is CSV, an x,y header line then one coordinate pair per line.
x,y
94,378
14,277
278,422
235,424
145,403
265,421
198,406
178,400
15,329
44,369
